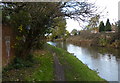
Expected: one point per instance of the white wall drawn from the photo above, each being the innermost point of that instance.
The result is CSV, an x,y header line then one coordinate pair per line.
x,y
119,10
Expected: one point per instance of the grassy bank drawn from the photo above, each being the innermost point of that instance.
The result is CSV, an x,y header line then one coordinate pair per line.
x,y
96,39
74,69
41,69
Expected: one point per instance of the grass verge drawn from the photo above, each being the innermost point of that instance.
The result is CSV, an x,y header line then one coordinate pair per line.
x,y
74,69
41,70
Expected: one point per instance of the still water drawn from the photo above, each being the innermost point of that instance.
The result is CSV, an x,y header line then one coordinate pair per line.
x,y
103,60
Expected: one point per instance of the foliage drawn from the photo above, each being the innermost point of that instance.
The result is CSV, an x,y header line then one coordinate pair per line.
x,y
103,42
74,32
101,27
19,63
31,21
67,33
116,44
58,28
108,26
118,33
119,26
93,22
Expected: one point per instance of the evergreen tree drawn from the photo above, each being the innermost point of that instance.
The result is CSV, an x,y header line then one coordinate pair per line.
x,y
101,27
119,26
108,26
118,32
74,32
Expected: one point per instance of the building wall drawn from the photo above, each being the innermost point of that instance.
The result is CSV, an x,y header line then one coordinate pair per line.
x,y
0,52
7,43
119,10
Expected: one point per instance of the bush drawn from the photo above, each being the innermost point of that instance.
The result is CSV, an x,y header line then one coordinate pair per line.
x,y
18,63
30,58
103,42
39,45
118,33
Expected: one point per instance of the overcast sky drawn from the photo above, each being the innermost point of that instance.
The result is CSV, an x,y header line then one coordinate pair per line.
x,y
110,12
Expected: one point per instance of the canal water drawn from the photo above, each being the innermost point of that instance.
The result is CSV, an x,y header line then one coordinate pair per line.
x,y
103,60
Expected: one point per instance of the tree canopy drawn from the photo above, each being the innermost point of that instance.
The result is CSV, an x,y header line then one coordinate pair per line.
x,y
58,28
31,21
118,33
108,26
94,21
101,26
74,32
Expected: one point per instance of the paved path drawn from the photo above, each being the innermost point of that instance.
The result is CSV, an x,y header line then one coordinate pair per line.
x,y
59,72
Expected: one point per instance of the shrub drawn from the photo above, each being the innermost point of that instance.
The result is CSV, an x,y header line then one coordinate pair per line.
x,y
18,63
103,41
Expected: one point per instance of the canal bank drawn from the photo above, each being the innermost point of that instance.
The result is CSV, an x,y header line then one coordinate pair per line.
x,y
103,39
103,60
74,69
51,64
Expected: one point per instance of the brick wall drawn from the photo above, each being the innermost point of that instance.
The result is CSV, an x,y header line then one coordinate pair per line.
x,y
7,41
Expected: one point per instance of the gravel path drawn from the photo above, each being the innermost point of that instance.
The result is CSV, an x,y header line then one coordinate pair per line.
x,y
59,72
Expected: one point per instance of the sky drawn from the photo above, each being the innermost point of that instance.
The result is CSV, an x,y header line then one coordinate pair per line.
x,y
111,12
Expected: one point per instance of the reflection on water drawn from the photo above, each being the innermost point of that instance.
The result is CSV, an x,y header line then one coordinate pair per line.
x,y
103,60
